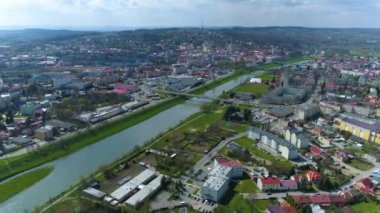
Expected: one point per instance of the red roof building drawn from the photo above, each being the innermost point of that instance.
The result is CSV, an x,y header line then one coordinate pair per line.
x,y
319,199
288,208
315,150
225,162
269,183
312,176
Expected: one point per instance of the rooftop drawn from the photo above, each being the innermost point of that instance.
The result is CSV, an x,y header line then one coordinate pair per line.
x,y
215,183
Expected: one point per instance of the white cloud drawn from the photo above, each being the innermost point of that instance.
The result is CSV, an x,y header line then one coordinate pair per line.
x,y
340,13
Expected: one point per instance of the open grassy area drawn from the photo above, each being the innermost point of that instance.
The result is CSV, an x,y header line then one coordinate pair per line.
x,y
278,164
236,203
366,207
267,77
246,186
20,183
255,89
360,164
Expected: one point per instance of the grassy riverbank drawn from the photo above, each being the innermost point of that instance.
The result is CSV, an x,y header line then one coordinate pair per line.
x,y
20,183
14,165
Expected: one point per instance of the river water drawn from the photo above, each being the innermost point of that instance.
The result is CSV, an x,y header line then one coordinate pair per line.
x,y
69,170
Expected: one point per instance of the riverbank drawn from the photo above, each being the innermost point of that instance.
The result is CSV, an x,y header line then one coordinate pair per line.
x,y
22,182
15,165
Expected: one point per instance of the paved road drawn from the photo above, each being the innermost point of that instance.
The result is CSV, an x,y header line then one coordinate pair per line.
x,y
259,196
207,158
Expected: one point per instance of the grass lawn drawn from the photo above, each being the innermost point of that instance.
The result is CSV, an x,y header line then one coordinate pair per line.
x,y
360,164
246,186
267,77
20,183
365,207
248,144
256,89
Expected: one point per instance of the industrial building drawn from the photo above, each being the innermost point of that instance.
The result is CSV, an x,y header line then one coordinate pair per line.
x,y
128,188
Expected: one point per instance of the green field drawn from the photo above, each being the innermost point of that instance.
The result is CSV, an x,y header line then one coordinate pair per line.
x,y
278,164
360,164
20,183
246,186
366,207
255,89
267,77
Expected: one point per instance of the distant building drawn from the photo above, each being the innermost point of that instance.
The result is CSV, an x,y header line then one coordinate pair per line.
x,y
313,176
179,69
307,111
255,81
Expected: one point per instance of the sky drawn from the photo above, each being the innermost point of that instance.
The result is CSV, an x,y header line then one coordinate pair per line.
x,y
179,13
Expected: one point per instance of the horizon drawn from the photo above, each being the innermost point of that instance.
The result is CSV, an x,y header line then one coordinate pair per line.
x,y
126,28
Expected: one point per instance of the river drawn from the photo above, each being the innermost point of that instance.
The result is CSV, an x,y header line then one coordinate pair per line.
x,y
69,170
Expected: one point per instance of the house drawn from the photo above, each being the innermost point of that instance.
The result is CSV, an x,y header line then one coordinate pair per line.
x,y
288,208
299,178
62,126
44,133
22,141
268,184
351,195
289,185
312,176
274,209
372,157
323,200
364,185
315,150
342,156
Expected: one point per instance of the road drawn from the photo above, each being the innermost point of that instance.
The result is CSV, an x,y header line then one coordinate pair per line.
x,y
260,196
207,158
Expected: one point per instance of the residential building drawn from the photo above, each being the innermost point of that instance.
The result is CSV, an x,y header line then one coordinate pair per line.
x,y
218,179
366,129
269,184
297,138
313,176
44,133
179,69
307,111
214,188
236,167
273,143
372,157
289,185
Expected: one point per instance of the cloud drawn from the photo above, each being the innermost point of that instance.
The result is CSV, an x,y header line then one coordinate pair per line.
x,y
339,13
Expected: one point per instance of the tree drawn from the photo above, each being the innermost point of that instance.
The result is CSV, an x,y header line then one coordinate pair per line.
x,y
10,118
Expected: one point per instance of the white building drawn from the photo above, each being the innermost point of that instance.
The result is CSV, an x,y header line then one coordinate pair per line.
x,y
255,80
214,188
274,143
297,138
